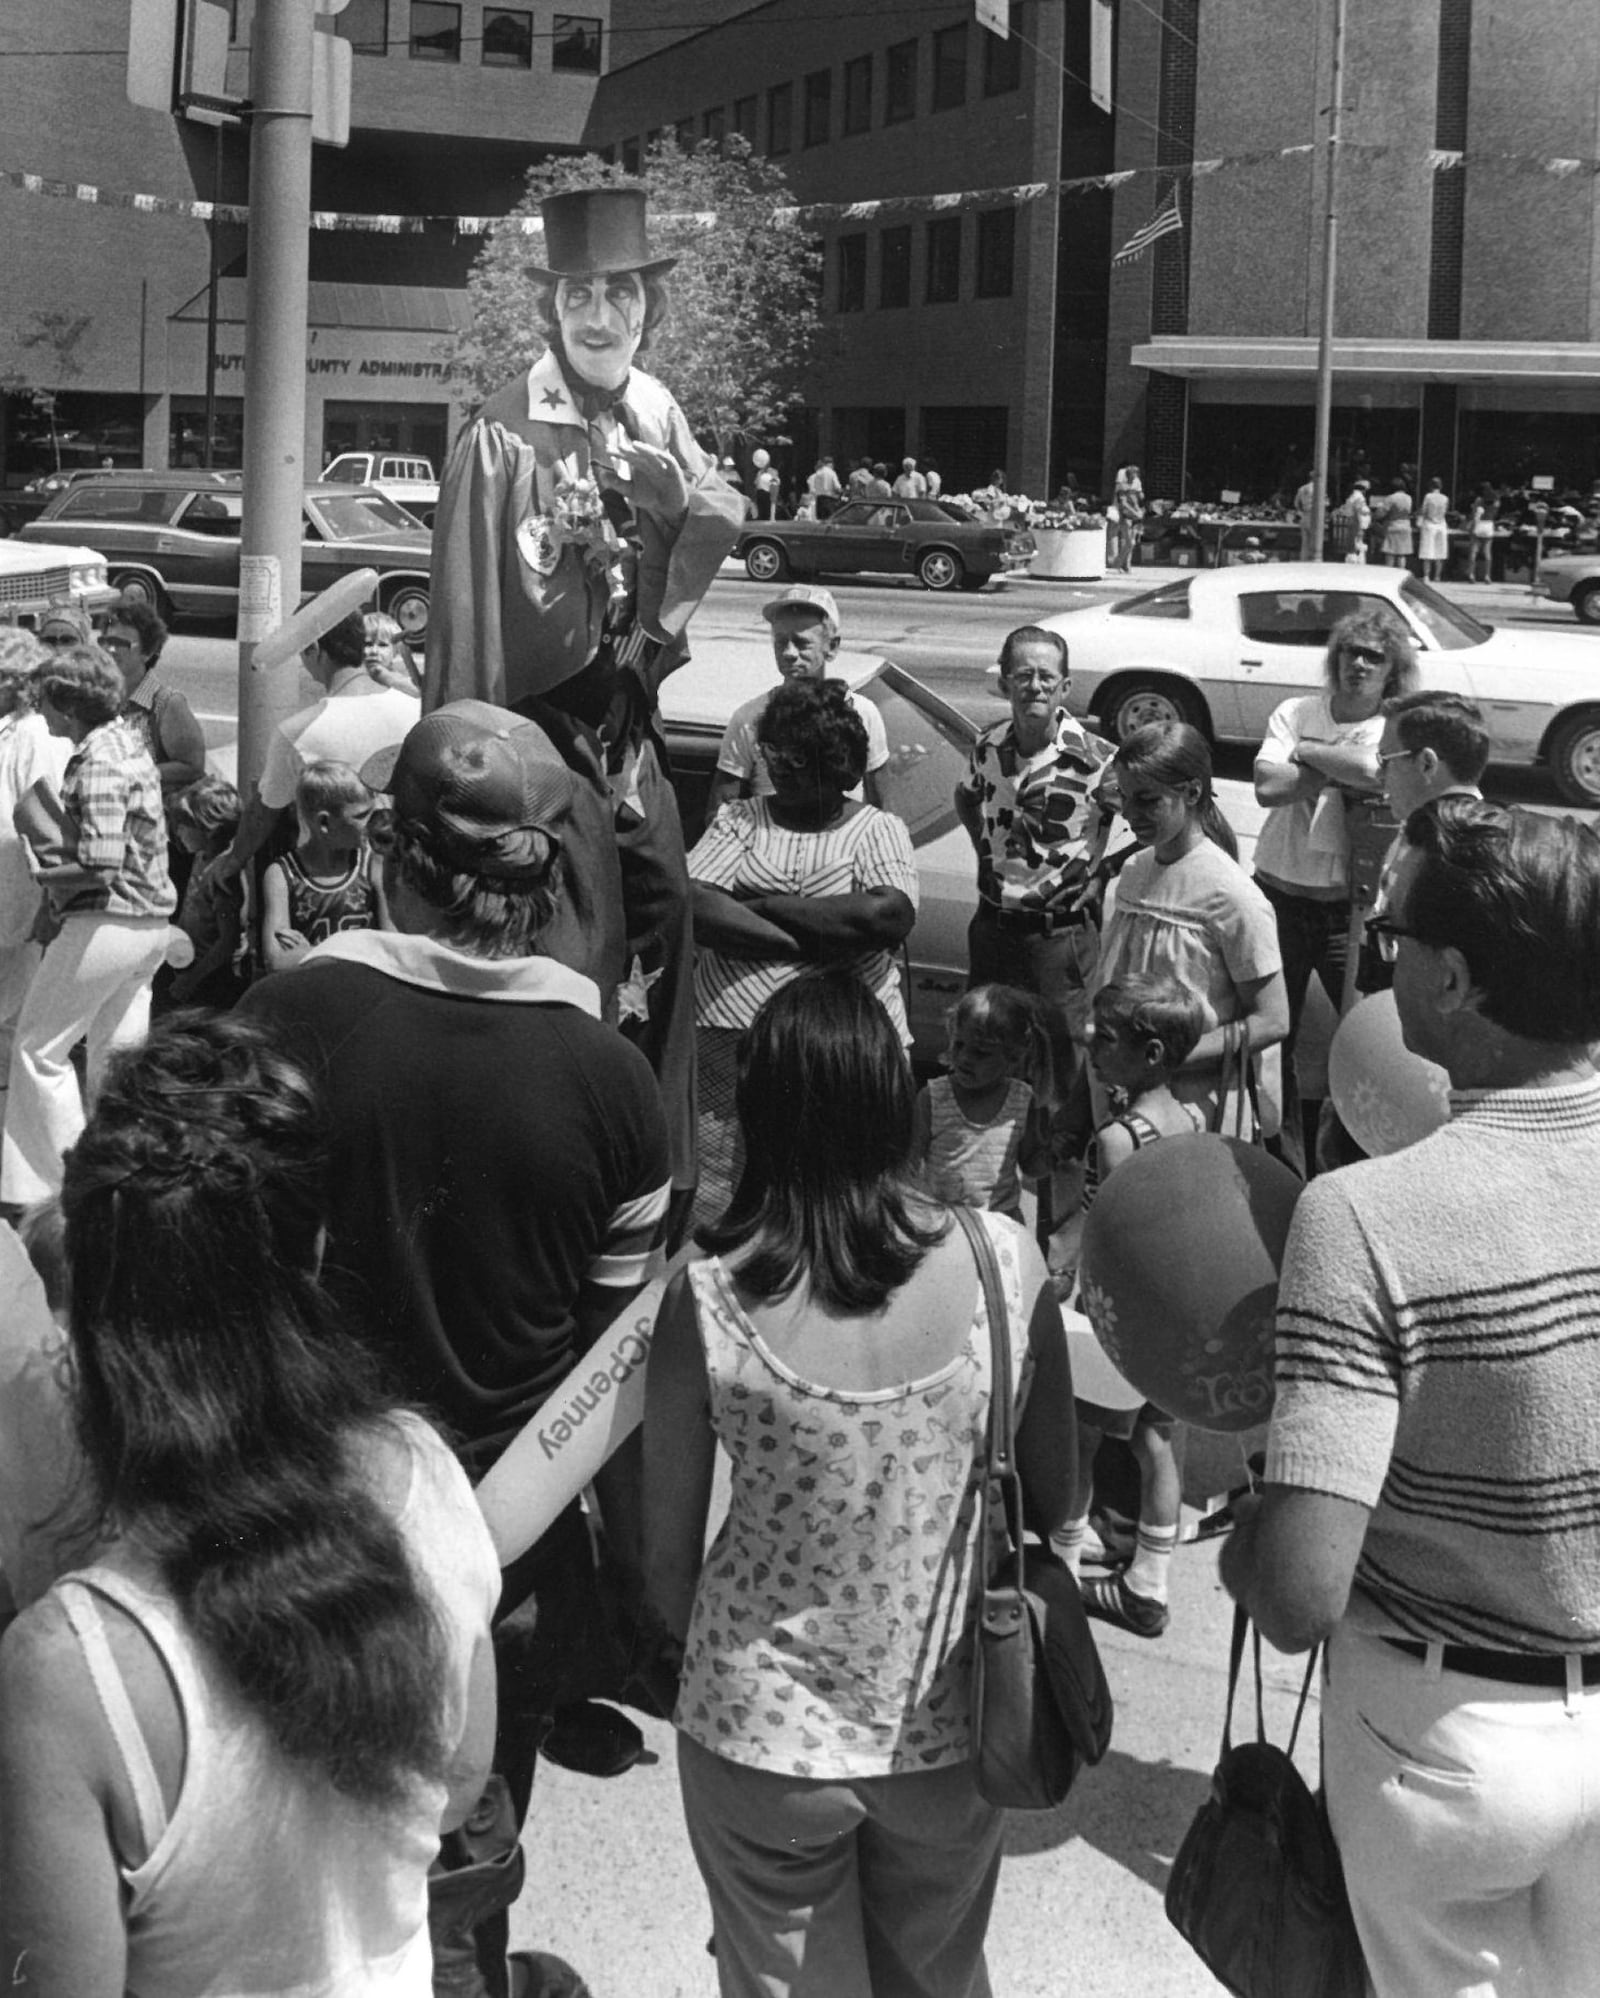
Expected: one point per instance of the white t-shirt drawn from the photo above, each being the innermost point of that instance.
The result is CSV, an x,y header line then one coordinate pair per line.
x,y
740,755
1304,845
346,727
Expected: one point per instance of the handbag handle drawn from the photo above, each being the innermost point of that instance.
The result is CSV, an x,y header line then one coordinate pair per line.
x,y
1000,1443
1238,1066
1241,1623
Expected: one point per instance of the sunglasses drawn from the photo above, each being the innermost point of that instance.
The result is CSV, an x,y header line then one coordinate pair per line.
x,y
1364,655
1386,937
58,638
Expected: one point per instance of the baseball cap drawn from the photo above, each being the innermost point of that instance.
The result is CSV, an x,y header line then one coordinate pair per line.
x,y
475,782
804,596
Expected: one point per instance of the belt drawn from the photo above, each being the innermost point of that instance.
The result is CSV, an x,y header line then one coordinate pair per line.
x,y
1034,922
1515,1668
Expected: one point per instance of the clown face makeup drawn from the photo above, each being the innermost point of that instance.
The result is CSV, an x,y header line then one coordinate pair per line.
x,y
602,323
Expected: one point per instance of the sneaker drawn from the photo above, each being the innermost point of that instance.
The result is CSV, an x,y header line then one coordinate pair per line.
x,y
1109,1598
535,1973
592,1739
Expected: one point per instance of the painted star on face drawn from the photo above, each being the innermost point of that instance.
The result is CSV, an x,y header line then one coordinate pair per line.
x,y
554,398
633,994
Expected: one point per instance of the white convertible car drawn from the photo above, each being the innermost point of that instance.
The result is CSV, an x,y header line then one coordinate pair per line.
x,y
1223,647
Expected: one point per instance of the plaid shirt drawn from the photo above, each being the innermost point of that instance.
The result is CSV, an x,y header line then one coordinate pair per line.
x,y
1044,825
112,796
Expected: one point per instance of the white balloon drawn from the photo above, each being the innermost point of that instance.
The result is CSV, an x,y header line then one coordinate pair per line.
x,y
1386,1096
760,460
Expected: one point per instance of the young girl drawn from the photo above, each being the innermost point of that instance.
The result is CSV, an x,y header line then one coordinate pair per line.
x,y
387,656
1143,1029
984,1124
328,883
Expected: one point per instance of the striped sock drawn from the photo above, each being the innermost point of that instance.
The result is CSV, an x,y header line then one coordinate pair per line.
x,y
1068,1540
1148,1571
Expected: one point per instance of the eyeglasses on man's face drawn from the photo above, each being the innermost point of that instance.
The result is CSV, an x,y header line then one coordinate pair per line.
x,y
1365,655
1386,937
1389,756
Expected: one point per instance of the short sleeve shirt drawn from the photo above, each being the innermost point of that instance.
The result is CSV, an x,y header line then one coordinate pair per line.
x,y
1043,827
740,755
341,728
1304,844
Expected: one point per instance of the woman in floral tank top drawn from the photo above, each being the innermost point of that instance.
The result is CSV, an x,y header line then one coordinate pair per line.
x,y
835,1343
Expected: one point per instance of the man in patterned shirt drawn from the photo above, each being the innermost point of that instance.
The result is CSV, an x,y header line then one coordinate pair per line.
x,y
100,853
1431,1502
1034,807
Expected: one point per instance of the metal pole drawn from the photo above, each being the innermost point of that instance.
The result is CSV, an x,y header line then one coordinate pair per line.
x,y
211,300
276,309
1330,262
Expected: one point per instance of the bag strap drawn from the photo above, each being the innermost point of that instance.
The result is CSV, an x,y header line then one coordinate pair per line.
x,y
1000,1447
1238,1083
1241,1623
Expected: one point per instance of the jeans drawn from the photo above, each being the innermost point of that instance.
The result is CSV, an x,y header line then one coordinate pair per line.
x,y
1467,1813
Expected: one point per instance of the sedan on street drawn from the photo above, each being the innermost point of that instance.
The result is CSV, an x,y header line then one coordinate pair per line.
x,y
1223,647
1572,579
920,538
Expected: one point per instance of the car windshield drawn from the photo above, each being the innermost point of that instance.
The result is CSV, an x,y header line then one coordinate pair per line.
x,y
1171,600
349,516
928,745
1451,628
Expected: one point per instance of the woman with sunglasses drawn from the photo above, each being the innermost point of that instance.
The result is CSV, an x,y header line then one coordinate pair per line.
x,y
1320,750
807,876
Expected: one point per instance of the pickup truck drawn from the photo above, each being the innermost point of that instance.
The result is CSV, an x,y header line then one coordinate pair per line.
x,y
409,482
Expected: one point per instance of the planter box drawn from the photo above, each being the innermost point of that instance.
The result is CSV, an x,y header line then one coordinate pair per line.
x,y
1069,554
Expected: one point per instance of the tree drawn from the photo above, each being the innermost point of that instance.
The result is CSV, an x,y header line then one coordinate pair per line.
x,y
742,335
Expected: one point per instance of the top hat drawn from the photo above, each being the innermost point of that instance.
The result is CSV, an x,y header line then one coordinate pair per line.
x,y
597,232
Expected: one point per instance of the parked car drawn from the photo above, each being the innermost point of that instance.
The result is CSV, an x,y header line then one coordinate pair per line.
x,y
1572,579
172,538
928,745
920,538
1223,647
409,482
32,579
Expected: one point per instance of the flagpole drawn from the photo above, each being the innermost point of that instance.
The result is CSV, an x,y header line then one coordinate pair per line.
x,y
1330,263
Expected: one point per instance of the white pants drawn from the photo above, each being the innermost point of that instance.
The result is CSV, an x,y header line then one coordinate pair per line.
x,y
1467,1812
93,982
18,964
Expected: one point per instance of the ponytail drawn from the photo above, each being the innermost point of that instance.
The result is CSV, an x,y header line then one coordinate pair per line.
x,y
1173,754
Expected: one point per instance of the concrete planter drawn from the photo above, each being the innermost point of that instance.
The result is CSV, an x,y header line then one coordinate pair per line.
x,y
1070,554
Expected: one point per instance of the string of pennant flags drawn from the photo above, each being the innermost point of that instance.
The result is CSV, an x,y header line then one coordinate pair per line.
x,y
811,214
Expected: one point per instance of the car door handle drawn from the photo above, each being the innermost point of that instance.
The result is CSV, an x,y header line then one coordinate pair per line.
x,y
1252,662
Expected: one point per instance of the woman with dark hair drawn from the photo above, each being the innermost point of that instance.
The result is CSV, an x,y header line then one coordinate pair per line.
x,y
135,637
807,876
1186,910
228,1746
835,1343
1320,751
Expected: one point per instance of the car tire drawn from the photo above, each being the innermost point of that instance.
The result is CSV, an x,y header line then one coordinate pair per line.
x,y
138,588
1586,602
1136,702
765,562
1575,758
408,606
938,569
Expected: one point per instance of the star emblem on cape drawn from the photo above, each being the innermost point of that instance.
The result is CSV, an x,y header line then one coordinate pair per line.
x,y
633,994
554,398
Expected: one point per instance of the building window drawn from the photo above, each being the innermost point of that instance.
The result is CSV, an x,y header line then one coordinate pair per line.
x,y
944,261
1002,58
950,67
818,126
435,31
683,132
575,43
507,38
630,156
780,118
364,24
997,242
852,273
858,95
744,118
894,266
714,124
900,83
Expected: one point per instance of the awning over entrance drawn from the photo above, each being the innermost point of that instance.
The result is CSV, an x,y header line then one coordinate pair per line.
x,y
1208,357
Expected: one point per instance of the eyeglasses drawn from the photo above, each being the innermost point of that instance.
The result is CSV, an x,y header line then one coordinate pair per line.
x,y
1363,655
111,644
1386,937
1396,756
58,638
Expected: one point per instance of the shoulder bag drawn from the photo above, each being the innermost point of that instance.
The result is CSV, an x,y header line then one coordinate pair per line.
x,y
1257,1889
1041,1707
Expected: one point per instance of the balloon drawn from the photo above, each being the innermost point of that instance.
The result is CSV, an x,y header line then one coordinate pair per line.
x,y
760,460
1093,1376
1179,1275
1386,1096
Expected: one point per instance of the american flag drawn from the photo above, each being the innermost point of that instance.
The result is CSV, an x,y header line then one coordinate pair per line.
x,y
1162,223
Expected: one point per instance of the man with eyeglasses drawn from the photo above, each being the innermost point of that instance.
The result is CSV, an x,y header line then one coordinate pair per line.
x,y
1430,1503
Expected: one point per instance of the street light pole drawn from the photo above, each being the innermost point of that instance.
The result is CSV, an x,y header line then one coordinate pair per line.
x,y
1330,262
277,298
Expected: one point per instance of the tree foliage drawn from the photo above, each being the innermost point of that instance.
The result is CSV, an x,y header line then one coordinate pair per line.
x,y
742,335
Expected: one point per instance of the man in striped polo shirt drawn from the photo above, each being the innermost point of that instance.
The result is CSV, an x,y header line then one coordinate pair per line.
x,y
1432,1504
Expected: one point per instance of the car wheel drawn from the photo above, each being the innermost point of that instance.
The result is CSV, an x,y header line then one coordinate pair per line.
x,y
1575,758
138,588
764,562
408,606
1586,602
940,570
1136,703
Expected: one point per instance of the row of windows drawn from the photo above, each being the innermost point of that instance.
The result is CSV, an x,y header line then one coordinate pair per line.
x,y
996,258
885,85
506,41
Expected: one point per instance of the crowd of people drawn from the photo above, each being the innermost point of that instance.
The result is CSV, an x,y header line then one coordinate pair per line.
x,y
406,1153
